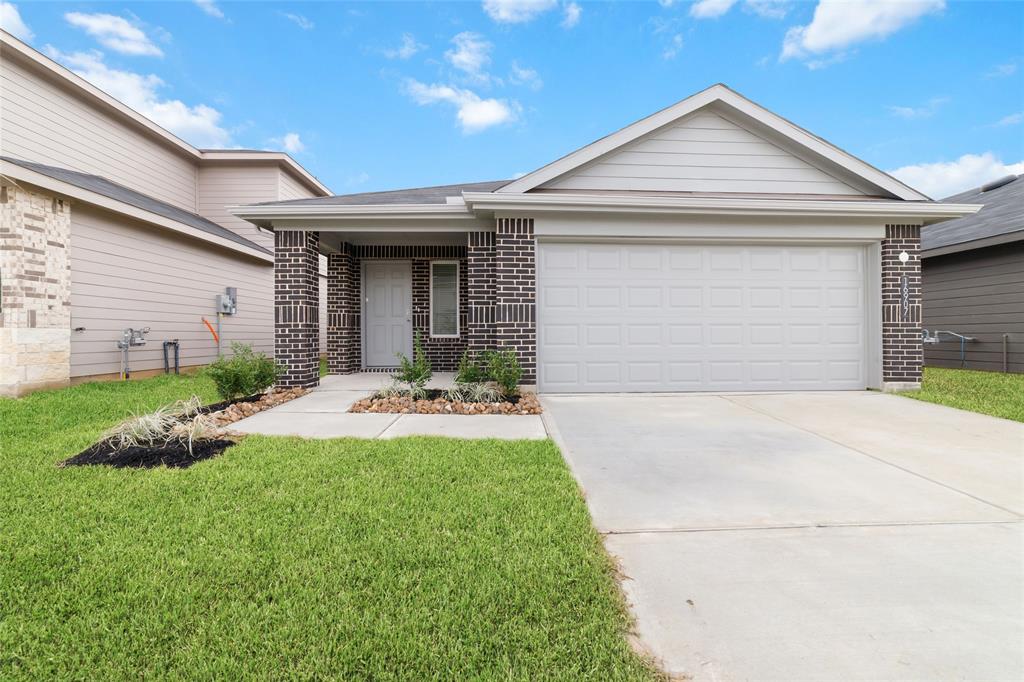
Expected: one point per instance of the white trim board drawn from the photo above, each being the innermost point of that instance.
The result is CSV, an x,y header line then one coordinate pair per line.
x,y
731,102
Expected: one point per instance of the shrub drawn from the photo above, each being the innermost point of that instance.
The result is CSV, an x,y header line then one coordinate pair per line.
x,y
504,370
179,422
472,393
471,369
414,373
245,373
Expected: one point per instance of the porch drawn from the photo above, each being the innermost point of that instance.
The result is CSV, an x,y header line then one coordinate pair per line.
x,y
453,288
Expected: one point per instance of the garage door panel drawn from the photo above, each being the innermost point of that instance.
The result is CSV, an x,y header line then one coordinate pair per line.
x,y
691,317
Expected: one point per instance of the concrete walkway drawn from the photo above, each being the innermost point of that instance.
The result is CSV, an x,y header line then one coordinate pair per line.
x,y
323,413
838,536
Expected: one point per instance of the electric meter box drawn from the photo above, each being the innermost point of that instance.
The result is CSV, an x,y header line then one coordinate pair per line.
x,y
226,304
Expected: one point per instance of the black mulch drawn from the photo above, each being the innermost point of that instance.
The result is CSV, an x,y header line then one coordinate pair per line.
x,y
174,455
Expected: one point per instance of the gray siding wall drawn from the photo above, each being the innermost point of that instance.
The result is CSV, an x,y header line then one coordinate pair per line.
x,y
223,185
702,152
129,274
46,123
981,294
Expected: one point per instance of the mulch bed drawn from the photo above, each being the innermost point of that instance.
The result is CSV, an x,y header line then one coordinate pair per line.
x,y
174,455
435,403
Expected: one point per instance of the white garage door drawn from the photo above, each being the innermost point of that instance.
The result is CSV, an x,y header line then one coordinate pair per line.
x,y
639,317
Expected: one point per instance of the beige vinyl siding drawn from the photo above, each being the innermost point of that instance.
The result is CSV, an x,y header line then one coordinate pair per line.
x,y
702,152
46,123
129,274
289,187
223,185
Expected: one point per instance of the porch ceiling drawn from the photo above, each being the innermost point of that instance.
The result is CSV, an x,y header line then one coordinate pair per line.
x,y
332,241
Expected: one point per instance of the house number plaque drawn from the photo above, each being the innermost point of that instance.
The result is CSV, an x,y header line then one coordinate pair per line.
x,y
904,298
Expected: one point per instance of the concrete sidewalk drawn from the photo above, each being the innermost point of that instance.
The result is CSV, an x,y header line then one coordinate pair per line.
x,y
323,413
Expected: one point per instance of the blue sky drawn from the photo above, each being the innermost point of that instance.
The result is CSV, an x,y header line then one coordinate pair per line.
x,y
386,95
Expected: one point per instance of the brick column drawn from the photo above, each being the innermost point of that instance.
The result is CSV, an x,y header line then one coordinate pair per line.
x,y
480,264
902,349
297,306
35,290
515,291
343,337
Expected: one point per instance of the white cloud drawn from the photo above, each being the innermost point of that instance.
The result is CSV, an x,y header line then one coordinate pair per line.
x,y
768,9
10,21
471,54
199,124
521,75
115,32
474,113
710,9
1011,120
946,178
924,111
299,20
1002,70
674,46
210,7
517,11
290,142
359,178
572,15
839,24
407,49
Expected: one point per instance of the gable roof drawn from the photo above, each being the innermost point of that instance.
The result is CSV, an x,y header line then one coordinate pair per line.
x,y
120,193
1001,220
12,48
773,128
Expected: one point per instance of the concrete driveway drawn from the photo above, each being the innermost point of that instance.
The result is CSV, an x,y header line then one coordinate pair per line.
x,y
826,536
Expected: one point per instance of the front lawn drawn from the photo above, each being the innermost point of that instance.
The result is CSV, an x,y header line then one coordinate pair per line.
x,y
1000,395
283,558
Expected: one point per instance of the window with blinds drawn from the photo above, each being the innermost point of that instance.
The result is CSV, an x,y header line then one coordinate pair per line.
x,y
444,298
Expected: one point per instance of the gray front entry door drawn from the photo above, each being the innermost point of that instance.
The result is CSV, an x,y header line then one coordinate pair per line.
x,y
387,309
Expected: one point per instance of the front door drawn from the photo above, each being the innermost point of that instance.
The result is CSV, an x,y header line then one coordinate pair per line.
x,y
387,309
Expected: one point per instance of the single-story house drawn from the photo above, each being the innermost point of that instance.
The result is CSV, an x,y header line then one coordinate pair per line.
x,y
111,222
713,245
973,274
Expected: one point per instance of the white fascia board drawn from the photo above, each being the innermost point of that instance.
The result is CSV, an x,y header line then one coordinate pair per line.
x,y
267,215
924,212
560,227
78,194
383,225
716,93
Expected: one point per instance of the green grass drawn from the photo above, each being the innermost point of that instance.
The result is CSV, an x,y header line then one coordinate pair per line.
x,y
283,558
1000,395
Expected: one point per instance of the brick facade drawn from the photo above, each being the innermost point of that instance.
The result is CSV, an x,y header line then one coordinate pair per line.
x,y
297,306
515,291
480,301
343,312
35,290
902,348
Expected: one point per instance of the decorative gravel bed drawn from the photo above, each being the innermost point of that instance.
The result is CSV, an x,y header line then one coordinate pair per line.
x,y
230,412
436,403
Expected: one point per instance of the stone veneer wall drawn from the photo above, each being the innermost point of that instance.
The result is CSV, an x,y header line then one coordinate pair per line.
x,y
35,291
515,292
902,348
297,306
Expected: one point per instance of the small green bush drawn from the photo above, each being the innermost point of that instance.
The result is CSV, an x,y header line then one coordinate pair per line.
x,y
504,370
471,370
416,372
245,373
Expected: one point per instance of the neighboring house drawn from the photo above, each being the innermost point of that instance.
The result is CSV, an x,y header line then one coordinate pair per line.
x,y
110,221
710,246
973,270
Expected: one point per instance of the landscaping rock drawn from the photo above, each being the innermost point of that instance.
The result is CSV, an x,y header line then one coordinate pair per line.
x,y
528,403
